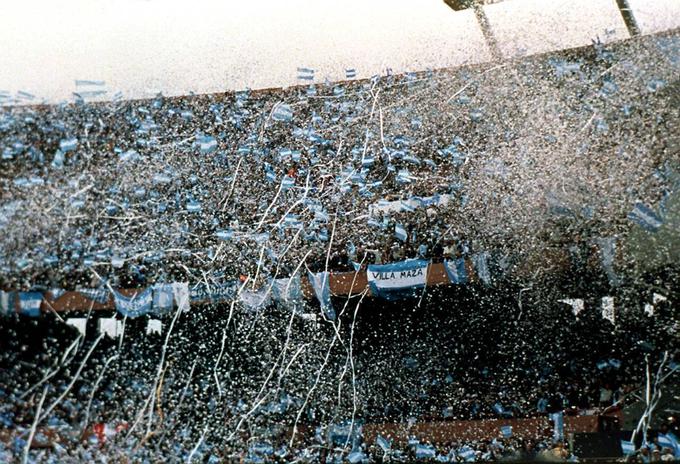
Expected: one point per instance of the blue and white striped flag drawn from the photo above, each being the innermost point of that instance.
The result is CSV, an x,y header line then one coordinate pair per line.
x,y
645,217
137,305
456,271
383,443
287,182
467,453
282,112
322,289
404,177
29,303
66,145
225,235
400,232
98,295
356,457
425,452
305,74
627,447
350,73
506,431
669,441
207,144
481,263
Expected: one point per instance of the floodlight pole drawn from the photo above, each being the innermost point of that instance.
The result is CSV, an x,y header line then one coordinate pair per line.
x,y
483,21
628,17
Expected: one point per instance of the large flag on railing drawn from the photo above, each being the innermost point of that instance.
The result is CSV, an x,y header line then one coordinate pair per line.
x,y
29,303
137,305
456,271
398,280
322,289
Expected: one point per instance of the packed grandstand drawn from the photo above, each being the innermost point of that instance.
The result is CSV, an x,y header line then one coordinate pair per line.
x,y
452,265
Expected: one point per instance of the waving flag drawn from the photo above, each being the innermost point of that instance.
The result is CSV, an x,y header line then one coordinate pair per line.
x,y
287,292
506,431
137,305
29,303
282,112
627,447
400,233
305,74
322,289
481,263
425,452
66,145
383,443
350,73
467,453
645,217
207,144
397,280
456,271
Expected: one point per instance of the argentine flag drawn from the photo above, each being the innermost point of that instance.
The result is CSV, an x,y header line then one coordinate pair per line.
x,y
137,305
29,303
467,453
207,144
66,145
425,452
456,271
322,289
282,112
383,443
627,447
350,73
645,217
305,74
400,232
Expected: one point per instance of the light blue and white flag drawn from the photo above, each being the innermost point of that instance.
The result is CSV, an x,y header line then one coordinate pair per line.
x,y
669,441
356,457
400,232
425,451
481,264
98,295
305,74
396,280
506,431
214,293
207,144
66,145
456,271
287,292
7,303
282,112
137,305
163,299
350,73
383,443
467,453
255,300
627,447
645,217
29,303
320,282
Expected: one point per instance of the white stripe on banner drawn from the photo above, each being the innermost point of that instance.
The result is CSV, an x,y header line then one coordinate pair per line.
x,y
397,276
